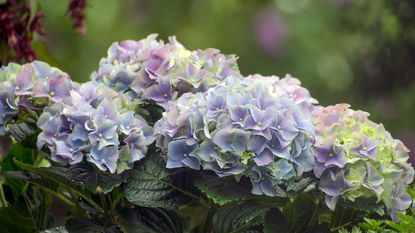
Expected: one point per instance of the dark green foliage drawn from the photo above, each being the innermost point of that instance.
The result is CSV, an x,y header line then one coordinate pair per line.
x,y
223,190
275,222
240,218
150,220
80,225
152,185
85,175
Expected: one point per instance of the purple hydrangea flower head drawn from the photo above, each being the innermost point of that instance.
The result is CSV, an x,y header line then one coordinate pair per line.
x,y
239,128
96,123
357,158
150,69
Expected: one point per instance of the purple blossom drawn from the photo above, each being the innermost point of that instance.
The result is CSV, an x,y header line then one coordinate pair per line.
x,y
94,123
152,70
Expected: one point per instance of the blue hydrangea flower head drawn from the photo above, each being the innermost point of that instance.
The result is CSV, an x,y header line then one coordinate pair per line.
x,y
240,127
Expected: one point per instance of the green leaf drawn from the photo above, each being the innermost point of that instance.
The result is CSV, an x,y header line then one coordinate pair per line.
x,y
222,190
60,229
19,153
80,225
38,205
45,172
363,204
299,213
150,220
152,185
275,222
340,217
16,218
25,126
240,218
84,175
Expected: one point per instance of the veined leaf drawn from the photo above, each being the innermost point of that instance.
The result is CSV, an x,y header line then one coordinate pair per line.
x,y
152,185
150,220
222,190
84,175
240,218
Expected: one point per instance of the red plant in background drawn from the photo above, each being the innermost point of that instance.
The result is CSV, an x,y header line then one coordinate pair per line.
x,y
17,27
18,24
76,11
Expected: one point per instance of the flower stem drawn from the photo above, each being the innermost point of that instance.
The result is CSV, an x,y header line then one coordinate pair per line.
x,y
3,197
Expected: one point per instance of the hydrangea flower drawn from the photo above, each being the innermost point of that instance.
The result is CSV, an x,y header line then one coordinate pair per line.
x,y
30,86
291,88
357,158
150,69
239,128
95,123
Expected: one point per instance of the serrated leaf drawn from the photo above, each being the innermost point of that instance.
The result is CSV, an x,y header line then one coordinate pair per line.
x,y
150,220
222,190
275,222
84,175
152,185
240,218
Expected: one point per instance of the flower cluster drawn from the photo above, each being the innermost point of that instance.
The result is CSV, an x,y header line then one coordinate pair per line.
x,y
150,69
241,128
289,87
97,122
29,86
357,158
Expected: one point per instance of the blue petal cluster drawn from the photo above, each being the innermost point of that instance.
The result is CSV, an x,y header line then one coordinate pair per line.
x,y
150,69
289,87
241,128
30,86
98,123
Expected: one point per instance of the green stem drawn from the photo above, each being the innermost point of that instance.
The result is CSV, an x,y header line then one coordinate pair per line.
x,y
60,180
315,211
3,197
59,196
116,201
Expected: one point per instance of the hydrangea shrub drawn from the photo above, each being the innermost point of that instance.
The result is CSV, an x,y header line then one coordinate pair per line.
x,y
229,153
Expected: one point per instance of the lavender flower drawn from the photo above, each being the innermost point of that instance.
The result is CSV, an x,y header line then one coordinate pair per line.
x,y
291,88
357,158
95,123
240,127
150,69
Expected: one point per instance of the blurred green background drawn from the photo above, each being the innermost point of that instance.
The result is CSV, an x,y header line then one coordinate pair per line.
x,y
360,52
